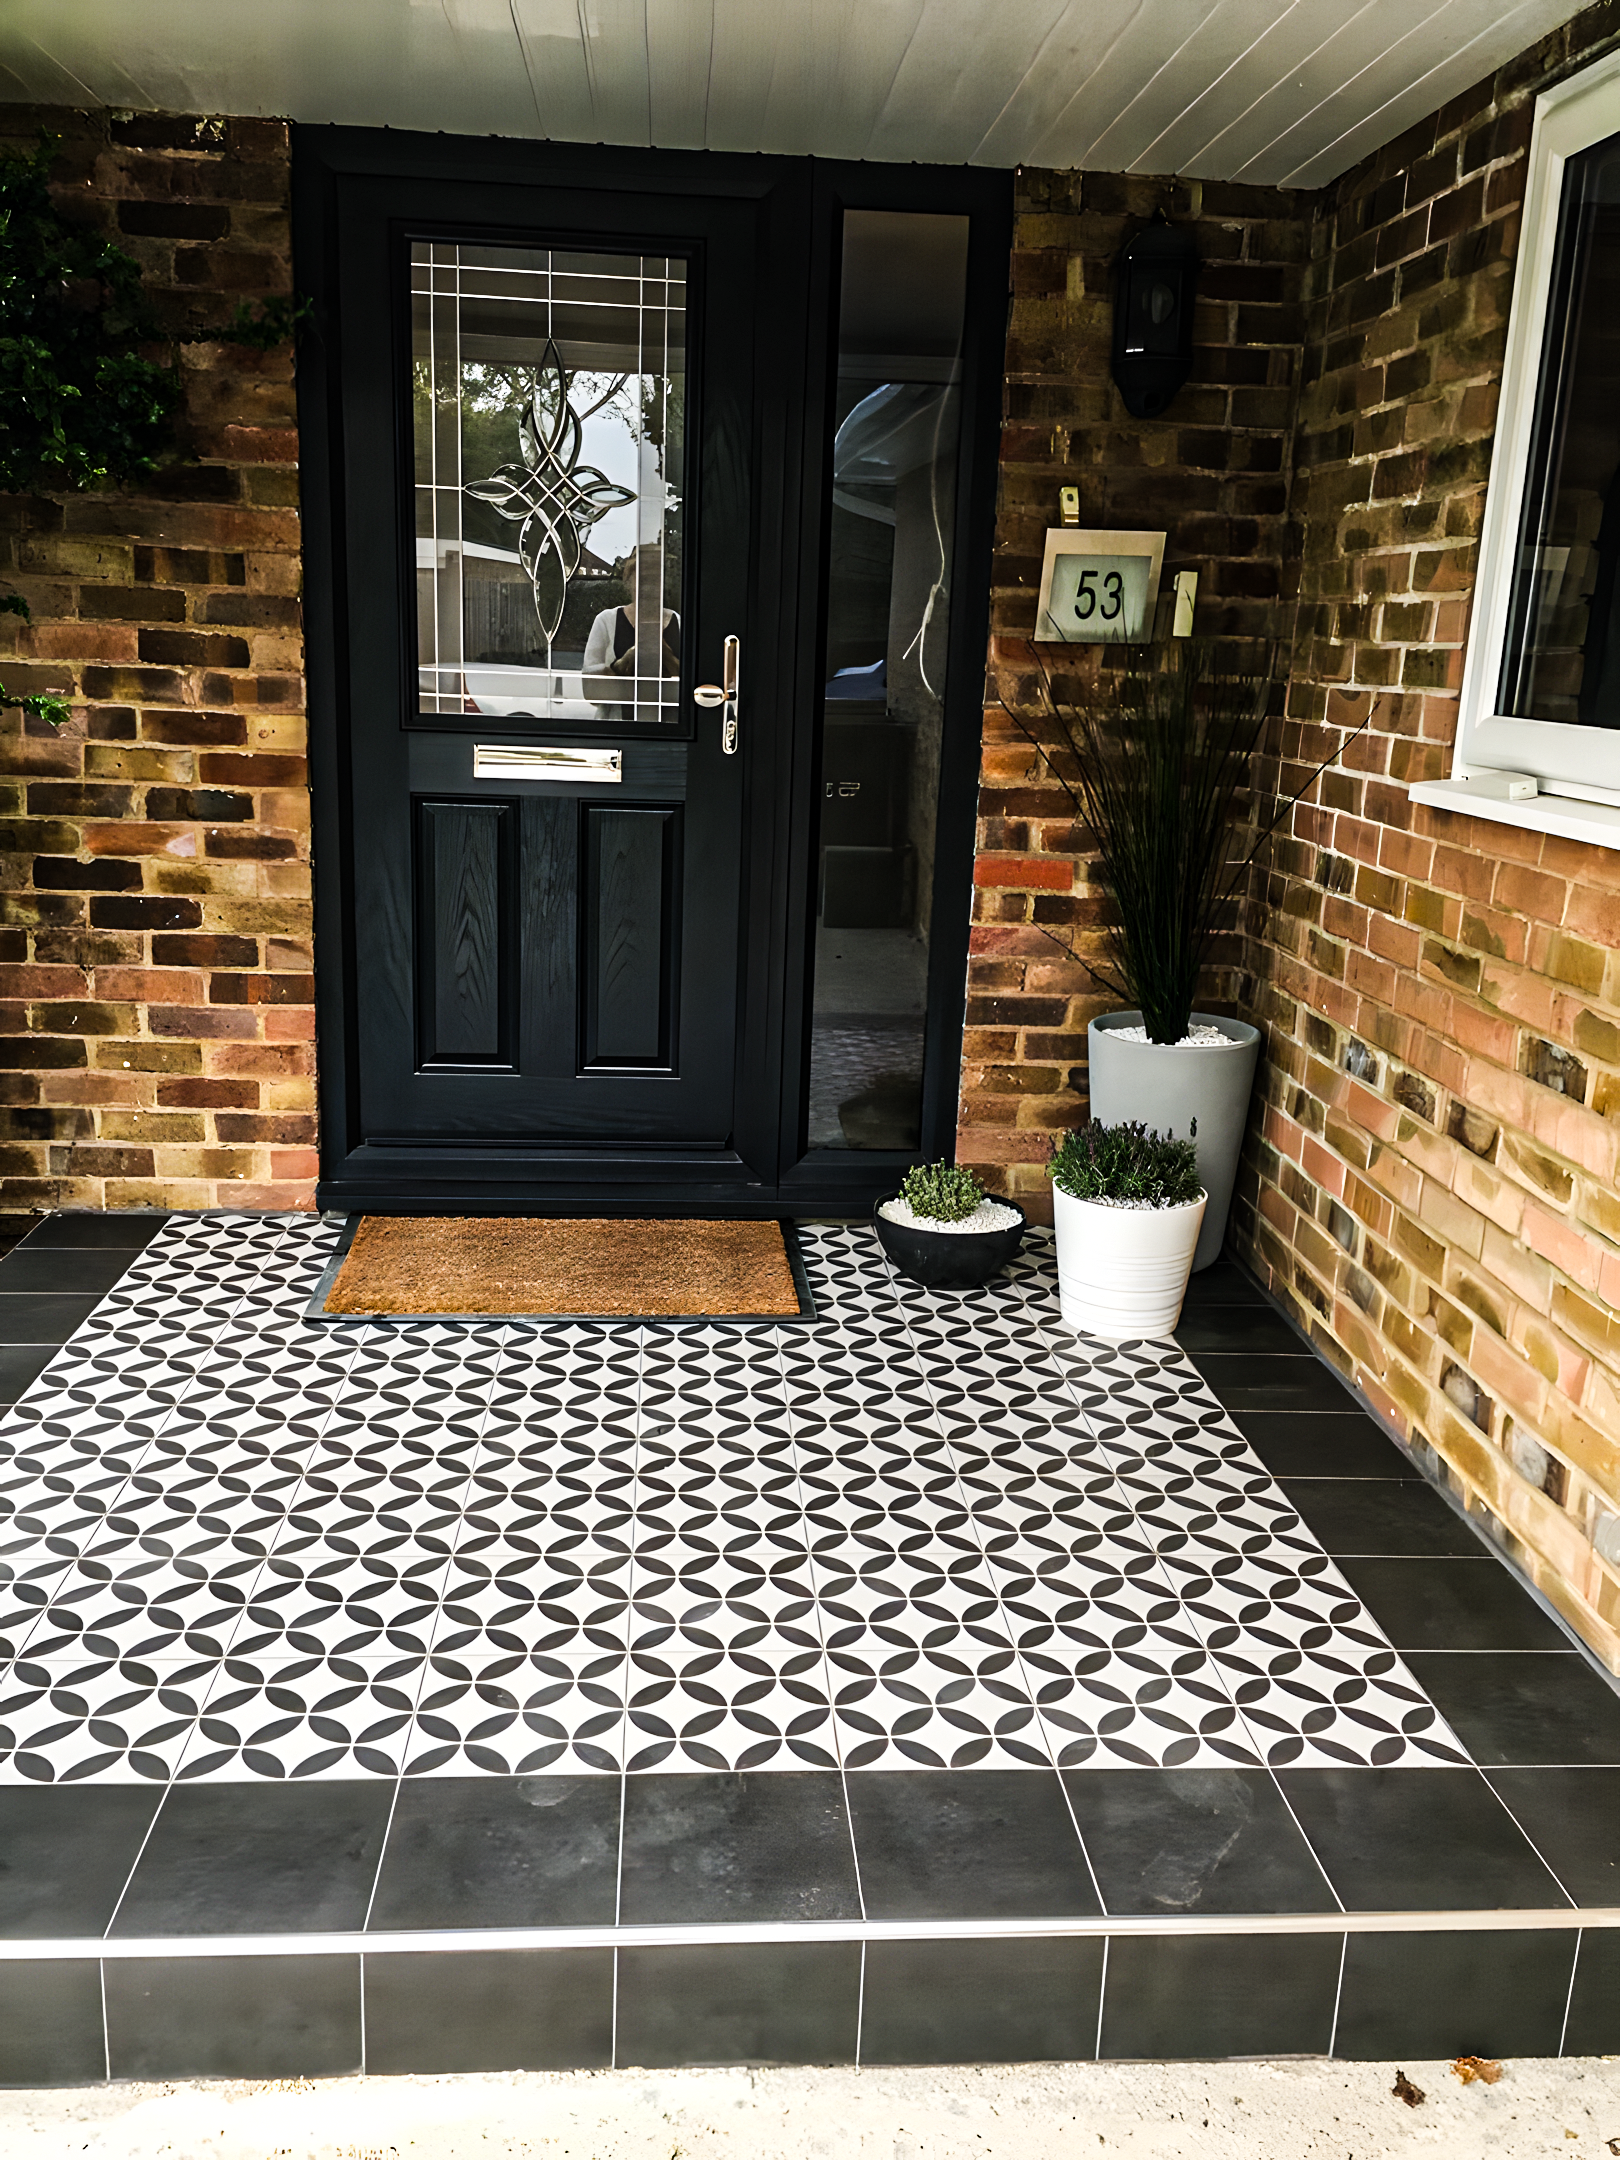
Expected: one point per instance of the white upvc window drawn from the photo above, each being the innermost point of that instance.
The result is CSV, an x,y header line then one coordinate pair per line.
x,y
1538,738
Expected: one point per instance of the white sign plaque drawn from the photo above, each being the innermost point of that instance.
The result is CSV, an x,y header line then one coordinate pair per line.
x,y
1098,588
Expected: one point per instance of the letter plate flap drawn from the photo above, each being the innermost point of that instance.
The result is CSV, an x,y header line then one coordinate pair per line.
x,y
541,761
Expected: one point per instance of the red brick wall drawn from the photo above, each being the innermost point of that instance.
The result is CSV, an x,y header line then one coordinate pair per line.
x,y
1214,475
1431,1185
156,1030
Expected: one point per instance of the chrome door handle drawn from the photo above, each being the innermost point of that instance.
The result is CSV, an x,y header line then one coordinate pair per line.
x,y
725,693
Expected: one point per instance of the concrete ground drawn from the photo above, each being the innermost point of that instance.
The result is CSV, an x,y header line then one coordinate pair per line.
x,y
1295,2110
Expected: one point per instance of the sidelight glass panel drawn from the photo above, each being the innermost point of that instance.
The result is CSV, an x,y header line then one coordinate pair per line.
x,y
891,484
549,415
1562,656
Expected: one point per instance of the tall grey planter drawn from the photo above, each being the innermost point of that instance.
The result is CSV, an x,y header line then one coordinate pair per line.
x,y
1165,1086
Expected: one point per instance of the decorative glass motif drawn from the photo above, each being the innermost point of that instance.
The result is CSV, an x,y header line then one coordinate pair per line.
x,y
549,417
551,495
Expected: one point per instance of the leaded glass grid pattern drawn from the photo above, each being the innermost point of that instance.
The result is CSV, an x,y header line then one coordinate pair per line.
x,y
548,396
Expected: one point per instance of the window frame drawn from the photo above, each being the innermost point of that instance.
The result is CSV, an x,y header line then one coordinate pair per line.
x,y
1563,760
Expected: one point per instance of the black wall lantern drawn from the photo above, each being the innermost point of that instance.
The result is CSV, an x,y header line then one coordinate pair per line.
x,y
1153,316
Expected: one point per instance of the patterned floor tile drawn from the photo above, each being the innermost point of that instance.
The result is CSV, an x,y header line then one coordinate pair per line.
x,y
326,1716
928,1530
108,1720
520,1714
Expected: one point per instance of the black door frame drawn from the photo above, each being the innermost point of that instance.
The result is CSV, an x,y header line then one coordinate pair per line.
x,y
800,201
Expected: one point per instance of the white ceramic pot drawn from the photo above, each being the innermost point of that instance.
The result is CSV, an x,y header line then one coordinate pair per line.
x,y
1122,1271
1167,1086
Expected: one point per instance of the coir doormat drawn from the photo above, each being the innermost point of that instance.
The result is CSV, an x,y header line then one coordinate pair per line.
x,y
484,1267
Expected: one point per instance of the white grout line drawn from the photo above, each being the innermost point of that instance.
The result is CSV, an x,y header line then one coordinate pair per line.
x,y
1332,1890
1338,1994
164,1791
1472,1921
1569,1998
376,1873
1102,1998
1524,1833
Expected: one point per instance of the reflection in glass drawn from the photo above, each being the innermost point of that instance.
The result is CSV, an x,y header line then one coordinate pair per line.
x,y
1562,656
549,394
892,484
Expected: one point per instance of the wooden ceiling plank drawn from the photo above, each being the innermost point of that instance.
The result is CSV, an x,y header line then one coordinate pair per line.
x,y
1061,131
746,35
1285,90
1310,116
1303,84
61,69
614,38
680,61
553,50
1477,37
1220,109
835,71
970,68
1133,139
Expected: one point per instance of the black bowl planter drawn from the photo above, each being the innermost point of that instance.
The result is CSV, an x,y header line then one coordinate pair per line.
x,y
948,1259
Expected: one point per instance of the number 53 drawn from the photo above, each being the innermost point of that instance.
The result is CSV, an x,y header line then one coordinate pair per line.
x,y
1108,603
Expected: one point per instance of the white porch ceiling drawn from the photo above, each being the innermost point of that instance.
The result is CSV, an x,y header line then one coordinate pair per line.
x,y
1286,91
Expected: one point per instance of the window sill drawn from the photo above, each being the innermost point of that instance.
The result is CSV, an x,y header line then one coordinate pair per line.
x,y
1596,823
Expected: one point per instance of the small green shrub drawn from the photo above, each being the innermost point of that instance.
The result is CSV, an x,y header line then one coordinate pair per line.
x,y
1126,1162
940,1192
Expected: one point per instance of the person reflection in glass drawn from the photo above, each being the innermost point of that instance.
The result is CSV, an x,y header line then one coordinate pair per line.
x,y
622,641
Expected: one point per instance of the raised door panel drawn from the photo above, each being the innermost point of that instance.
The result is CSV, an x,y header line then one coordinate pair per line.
x,y
466,966
629,921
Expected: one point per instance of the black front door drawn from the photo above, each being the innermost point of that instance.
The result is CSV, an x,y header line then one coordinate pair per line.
x,y
562,418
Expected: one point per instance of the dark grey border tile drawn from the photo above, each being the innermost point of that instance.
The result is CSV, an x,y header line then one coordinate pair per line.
x,y
501,1852
1324,1443
1573,1818
50,2022
760,1845
1390,1518
1195,1841
81,1271
1223,1282
1416,1840
1297,1382
123,1231
1451,1601
21,1365
43,1316
67,1854
1173,1998
450,2013
1501,1992
967,1844
1524,1706
738,2003
246,2017
1246,1330
1594,2002
263,1859
1028,2000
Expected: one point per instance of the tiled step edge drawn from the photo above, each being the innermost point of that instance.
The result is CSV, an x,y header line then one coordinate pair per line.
x,y
1474,1920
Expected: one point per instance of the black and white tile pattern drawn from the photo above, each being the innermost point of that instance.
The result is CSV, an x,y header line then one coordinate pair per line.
x,y
927,1531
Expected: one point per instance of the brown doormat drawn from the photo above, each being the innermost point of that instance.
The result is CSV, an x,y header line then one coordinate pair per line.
x,y
483,1267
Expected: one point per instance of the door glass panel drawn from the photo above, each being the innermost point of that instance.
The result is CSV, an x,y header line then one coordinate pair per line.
x,y
1562,658
891,483
549,409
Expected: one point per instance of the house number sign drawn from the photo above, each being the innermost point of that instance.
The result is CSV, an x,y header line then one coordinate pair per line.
x,y
1098,588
